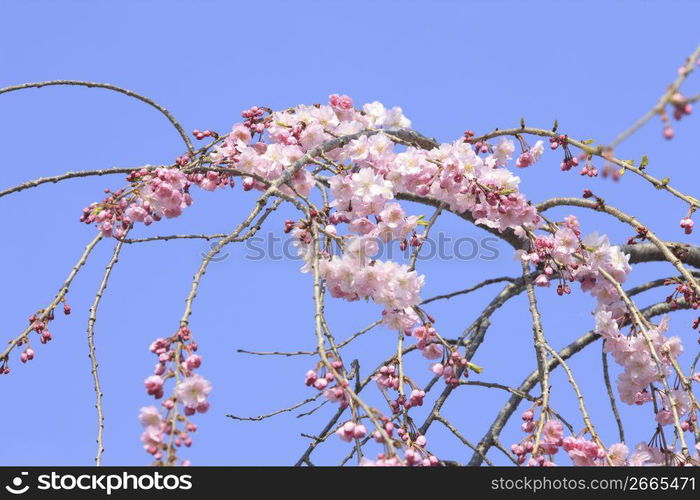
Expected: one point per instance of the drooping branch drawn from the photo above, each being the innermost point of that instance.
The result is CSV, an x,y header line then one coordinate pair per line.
x,y
107,86
48,310
93,356
319,321
640,322
586,417
541,352
658,108
315,222
611,395
233,237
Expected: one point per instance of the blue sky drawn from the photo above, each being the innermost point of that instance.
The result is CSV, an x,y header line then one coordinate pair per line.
x,y
595,66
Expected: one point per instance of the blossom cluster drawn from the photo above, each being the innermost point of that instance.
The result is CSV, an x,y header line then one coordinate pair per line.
x,y
38,323
453,367
387,283
581,451
154,194
414,444
634,354
584,452
176,359
321,379
370,169
681,107
568,257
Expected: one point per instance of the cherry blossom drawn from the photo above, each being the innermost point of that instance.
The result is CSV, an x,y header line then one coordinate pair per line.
x,y
349,169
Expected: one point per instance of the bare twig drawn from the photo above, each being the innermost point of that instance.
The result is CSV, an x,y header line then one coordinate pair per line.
x,y
468,290
277,412
93,356
541,351
107,86
454,431
70,175
611,395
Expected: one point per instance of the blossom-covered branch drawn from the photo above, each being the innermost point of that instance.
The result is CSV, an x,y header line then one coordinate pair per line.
x,y
351,178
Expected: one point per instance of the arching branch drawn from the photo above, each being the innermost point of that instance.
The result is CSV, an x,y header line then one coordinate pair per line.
x,y
107,86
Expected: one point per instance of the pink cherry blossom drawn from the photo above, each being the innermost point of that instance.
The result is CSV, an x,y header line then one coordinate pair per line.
x,y
193,391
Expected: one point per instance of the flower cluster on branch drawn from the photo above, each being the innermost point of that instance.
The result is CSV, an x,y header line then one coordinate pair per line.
x,y
347,170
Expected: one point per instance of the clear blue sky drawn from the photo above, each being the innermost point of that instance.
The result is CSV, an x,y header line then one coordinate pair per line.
x,y
594,65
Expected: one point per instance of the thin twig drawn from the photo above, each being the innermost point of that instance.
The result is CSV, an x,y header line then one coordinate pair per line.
x,y
426,232
611,395
277,412
659,106
454,431
207,237
93,356
540,349
71,175
59,296
468,290
107,86
581,404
